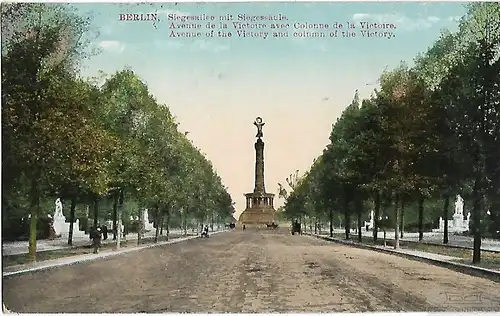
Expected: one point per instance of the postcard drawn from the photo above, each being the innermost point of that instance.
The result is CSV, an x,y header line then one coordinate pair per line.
x,y
250,157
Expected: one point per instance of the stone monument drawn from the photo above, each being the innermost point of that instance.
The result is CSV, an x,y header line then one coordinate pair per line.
x,y
459,223
458,217
147,225
59,223
259,209
371,223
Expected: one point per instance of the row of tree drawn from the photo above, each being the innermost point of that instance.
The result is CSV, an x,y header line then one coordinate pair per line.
x,y
431,131
90,140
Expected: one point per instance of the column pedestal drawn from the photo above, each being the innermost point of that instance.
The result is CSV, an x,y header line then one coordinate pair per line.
x,y
259,210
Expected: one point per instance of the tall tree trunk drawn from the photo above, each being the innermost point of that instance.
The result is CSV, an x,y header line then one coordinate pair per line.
x,y
181,226
421,201
119,219
446,206
402,221
476,211
140,226
157,220
376,215
168,223
96,212
359,212
115,213
360,223
396,221
161,223
347,219
331,222
212,222
34,212
347,226
184,221
71,221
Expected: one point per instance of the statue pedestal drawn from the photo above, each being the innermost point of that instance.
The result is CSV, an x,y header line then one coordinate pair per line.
x,y
147,225
60,225
76,229
458,220
457,225
259,211
371,223
62,228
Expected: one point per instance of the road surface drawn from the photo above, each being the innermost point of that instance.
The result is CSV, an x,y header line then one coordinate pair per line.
x,y
250,271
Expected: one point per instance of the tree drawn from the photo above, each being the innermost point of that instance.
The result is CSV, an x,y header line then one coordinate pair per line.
x,y
40,45
429,132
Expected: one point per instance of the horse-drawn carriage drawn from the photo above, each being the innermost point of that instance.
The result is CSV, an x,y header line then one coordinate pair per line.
x,y
230,226
272,225
296,228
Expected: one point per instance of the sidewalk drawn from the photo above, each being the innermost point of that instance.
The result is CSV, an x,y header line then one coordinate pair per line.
x,y
48,264
21,247
436,259
433,238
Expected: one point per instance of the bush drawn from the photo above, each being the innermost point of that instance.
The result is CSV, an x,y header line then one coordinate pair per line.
x,y
132,226
413,227
18,229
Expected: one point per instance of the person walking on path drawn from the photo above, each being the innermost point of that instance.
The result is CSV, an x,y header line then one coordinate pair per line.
x,y
104,232
96,237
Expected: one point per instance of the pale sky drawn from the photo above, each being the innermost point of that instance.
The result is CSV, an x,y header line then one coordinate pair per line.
x,y
217,87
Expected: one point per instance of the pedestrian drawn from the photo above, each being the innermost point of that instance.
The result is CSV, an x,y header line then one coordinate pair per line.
x,y
104,232
244,227
296,228
96,236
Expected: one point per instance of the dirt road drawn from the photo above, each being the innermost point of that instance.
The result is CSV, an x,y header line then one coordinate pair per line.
x,y
251,271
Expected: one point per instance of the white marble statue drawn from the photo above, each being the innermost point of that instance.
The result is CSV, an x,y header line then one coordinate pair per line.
x,y
371,222
59,206
147,224
60,225
459,222
459,205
